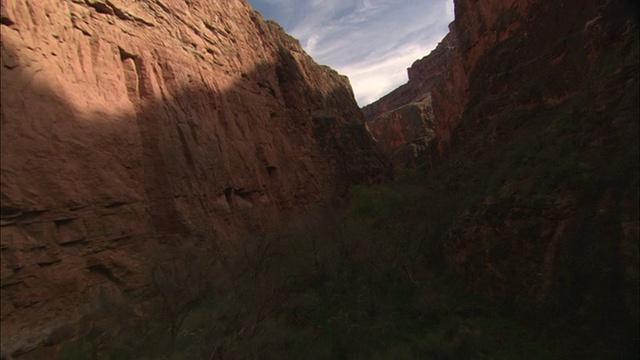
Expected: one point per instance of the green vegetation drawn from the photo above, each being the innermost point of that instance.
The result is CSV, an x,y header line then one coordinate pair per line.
x,y
348,284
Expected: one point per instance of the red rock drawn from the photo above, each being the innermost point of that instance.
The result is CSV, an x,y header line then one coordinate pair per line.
x,y
554,236
403,121
406,134
127,123
551,254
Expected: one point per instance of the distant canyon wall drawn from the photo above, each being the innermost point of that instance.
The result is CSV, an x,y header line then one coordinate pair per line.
x,y
403,121
129,124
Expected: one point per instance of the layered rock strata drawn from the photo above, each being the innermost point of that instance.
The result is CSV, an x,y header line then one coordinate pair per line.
x,y
127,124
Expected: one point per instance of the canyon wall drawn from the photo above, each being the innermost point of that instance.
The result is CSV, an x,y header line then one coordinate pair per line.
x,y
403,121
439,82
132,125
422,75
540,120
405,134
533,125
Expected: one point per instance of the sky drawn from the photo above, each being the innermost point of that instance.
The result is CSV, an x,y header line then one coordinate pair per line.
x,y
373,42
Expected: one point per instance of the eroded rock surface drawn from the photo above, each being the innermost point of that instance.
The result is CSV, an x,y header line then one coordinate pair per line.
x,y
130,123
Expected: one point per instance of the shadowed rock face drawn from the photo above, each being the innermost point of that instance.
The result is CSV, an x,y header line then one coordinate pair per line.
x,y
126,124
445,73
535,126
543,107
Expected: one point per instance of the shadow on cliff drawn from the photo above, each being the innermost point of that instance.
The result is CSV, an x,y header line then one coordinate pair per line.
x,y
180,161
543,170
181,132
334,288
550,133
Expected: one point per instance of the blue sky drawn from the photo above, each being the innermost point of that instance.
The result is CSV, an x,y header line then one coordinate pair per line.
x,y
373,42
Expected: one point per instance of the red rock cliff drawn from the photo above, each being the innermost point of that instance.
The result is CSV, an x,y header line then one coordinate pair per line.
x,y
129,123
535,120
403,121
543,106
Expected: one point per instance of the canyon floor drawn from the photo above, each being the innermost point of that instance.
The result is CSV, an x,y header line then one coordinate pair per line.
x,y
362,280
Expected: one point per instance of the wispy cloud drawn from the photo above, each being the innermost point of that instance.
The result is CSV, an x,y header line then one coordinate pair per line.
x,y
370,41
374,78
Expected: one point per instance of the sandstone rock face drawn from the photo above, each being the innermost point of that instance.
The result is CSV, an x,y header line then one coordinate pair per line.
x,y
544,104
422,74
482,28
444,74
406,134
403,121
129,123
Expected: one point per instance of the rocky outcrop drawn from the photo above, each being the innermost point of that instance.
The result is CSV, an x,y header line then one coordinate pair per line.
x,y
131,124
403,121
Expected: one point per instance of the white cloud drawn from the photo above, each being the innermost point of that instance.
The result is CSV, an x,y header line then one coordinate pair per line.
x,y
370,41
311,43
449,8
375,78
